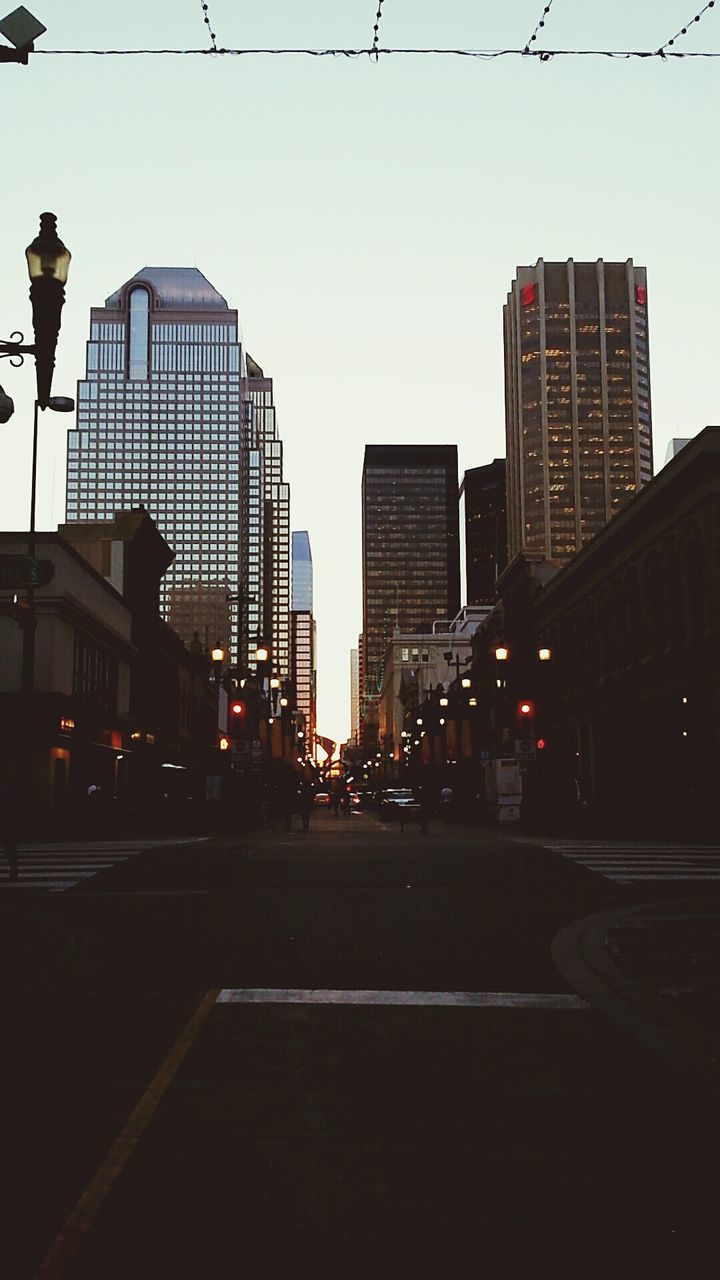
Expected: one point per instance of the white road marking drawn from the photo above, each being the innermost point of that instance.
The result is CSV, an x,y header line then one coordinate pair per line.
x,y
57,867
625,863
661,875
461,999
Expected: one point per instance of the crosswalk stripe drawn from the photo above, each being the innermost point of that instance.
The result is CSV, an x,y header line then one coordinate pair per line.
x,y
662,875
627,863
58,867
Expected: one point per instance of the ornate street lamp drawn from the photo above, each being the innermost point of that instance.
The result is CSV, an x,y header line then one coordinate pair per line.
x,y
48,264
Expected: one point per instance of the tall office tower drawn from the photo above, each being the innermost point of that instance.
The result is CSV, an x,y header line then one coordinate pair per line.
x,y
354,695
304,632
483,529
577,401
302,571
269,613
411,553
160,425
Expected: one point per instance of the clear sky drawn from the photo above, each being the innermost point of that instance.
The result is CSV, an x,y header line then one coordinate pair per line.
x,y
366,220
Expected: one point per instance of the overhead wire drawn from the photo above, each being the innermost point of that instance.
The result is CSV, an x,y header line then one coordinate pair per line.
x,y
538,27
376,30
662,51
481,54
206,20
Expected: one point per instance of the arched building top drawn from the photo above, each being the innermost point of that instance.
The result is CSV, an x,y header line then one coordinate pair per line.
x,y
172,289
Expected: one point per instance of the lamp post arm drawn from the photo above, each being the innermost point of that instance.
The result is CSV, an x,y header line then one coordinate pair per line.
x,y
15,348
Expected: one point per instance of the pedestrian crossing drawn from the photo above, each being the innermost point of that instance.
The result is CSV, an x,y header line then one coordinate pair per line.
x,y
632,861
57,867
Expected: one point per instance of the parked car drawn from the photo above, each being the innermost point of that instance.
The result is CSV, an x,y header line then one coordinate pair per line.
x,y
397,803
322,798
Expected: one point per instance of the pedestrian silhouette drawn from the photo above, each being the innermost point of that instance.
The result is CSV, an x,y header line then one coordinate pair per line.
x,y
306,798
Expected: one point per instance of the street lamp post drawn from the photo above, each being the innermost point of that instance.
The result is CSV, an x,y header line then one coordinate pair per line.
x,y
48,262
59,404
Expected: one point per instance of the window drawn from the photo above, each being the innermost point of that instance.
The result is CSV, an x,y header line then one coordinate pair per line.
x,y
139,335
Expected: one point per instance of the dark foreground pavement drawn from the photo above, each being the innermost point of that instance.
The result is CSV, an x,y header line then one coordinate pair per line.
x,y
337,1139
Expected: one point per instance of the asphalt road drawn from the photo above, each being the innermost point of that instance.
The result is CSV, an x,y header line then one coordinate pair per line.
x,y
215,1007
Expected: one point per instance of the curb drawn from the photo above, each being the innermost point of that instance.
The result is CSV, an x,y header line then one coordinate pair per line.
x,y
580,953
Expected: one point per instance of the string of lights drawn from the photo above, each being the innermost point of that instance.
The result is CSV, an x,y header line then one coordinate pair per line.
x,y
206,20
662,51
487,55
540,24
376,30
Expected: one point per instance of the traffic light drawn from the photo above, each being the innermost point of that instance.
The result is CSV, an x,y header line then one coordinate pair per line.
x,y
525,718
237,718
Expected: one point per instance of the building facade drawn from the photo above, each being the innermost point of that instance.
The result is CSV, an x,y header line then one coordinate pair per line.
x,y
354,695
302,571
629,701
483,530
419,666
304,674
411,554
160,424
577,401
304,634
267,603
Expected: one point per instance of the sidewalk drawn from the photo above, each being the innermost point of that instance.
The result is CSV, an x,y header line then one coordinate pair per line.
x,y
655,970
674,950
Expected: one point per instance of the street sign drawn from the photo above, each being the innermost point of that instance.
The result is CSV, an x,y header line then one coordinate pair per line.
x,y
18,572
525,748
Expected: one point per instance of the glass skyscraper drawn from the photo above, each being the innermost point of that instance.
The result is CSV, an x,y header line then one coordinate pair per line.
x,y
302,571
166,420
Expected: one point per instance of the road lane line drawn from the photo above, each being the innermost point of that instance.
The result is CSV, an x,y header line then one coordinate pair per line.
x,y
72,1234
458,999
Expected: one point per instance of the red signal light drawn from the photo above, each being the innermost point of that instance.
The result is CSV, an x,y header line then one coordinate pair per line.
x,y
541,744
525,708
237,708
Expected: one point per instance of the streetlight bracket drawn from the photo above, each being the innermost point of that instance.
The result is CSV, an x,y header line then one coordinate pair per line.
x,y
15,349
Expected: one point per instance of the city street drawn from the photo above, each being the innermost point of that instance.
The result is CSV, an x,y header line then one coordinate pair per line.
x,y
341,1052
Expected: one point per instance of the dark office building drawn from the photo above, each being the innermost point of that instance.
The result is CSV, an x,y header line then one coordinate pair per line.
x,y
411,553
577,401
483,524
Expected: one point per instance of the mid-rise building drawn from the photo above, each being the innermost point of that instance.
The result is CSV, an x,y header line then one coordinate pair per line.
x,y
411,554
354,695
419,665
304,671
483,531
577,399
304,633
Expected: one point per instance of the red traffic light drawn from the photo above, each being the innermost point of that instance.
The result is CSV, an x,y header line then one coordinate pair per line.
x,y
541,744
237,708
525,708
